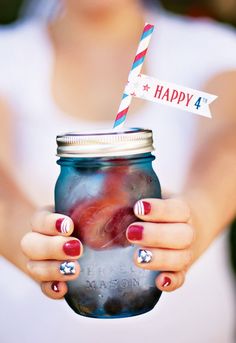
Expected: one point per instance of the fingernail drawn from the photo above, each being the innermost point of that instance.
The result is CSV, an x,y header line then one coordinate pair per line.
x,y
144,256
135,232
63,225
72,248
166,282
141,208
67,268
55,286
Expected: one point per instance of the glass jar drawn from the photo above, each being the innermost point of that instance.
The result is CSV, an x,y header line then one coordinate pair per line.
x,y
102,176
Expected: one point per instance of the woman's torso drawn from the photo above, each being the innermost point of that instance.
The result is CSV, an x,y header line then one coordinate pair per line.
x,y
182,52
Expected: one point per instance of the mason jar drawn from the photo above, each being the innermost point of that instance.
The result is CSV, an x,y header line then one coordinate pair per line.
x,y
103,174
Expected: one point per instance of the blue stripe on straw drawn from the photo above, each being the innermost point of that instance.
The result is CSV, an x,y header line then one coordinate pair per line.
x,y
137,63
124,96
147,33
119,121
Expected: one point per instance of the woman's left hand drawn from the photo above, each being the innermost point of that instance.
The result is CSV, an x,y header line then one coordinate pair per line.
x,y
165,237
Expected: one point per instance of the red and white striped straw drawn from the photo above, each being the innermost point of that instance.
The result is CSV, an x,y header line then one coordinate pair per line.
x,y
135,70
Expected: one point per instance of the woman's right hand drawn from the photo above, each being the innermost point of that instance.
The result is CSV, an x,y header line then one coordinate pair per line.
x,y
52,253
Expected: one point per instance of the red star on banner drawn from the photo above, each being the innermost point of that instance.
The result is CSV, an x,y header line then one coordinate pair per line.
x,y
146,87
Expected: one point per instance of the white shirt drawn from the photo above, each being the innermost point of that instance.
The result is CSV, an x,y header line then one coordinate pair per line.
x,y
183,51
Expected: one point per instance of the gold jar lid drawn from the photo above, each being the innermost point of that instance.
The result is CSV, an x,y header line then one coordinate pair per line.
x,y
105,143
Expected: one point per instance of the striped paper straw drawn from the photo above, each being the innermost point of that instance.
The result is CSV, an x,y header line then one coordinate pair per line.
x,y
135,70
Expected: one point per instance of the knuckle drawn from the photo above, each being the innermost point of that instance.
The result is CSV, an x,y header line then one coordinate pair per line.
x,y
37,220
52,247
174,263
182,206
191,232
183,260
58,241
188,256
165,260
39,271
31,269
185,208
25,244
188,235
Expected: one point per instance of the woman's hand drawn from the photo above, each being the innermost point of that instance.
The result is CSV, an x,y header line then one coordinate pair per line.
x,y
165,238
52,253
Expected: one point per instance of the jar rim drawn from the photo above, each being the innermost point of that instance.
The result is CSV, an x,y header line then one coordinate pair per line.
x,y
99,143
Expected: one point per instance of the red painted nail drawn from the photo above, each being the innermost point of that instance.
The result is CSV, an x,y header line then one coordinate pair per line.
x,y
135,232
63,225
141,208
72,248
55,286
166,282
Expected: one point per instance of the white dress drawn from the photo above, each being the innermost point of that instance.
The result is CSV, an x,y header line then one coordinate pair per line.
x,y
182,51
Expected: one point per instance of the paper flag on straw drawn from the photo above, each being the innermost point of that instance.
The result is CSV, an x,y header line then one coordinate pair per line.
x,y
170,94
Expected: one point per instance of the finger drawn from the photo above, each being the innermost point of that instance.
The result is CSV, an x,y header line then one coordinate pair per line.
x,y
52,224
53,270
167,235
54,289
40,247
169,282
162,210
163,259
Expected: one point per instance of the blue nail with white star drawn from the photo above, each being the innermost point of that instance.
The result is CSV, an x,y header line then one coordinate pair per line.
x,y
67,268
144,256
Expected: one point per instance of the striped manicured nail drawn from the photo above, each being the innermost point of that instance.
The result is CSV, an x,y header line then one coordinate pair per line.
x,y
67,268
63,225
144,256
141,208
55,287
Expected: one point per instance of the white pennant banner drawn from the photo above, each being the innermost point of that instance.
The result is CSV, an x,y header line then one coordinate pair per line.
x,y
170,94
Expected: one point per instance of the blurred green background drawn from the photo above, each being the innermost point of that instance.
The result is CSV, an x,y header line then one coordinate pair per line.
x,y
222,10
9,10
